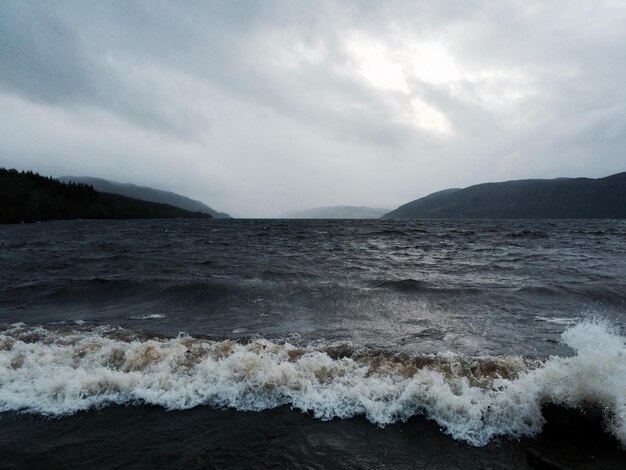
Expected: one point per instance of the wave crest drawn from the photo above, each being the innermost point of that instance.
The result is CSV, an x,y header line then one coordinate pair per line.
x,y
474,399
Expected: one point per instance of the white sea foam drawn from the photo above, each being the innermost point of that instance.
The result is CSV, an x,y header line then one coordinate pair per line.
x,y
57,372
558,320
148,316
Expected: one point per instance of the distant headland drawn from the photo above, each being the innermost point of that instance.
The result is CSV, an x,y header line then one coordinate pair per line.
x,y
145,193
561,198
30,197
338,212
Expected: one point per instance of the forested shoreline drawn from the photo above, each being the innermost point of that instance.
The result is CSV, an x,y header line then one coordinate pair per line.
x,y
26,196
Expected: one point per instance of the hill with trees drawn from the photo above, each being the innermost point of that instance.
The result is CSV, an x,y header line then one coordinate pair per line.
x,y
30,197
561,198
146,193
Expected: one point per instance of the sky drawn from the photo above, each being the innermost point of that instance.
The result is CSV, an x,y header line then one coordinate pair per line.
x,y
260,108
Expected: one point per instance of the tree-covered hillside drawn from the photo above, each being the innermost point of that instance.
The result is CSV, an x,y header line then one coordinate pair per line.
x,y
144,193
29,197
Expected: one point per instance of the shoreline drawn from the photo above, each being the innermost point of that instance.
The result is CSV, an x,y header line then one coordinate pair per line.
x,y
204,437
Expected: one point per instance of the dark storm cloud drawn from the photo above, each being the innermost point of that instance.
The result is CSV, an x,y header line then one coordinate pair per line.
x,y
267,106
104,54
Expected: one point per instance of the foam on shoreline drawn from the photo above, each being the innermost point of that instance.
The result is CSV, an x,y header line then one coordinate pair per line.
x,y
61,371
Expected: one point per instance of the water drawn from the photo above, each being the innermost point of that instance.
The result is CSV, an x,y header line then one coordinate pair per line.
x,y
473,325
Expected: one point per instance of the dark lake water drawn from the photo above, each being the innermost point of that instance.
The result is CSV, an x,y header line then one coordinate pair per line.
x,y
472,325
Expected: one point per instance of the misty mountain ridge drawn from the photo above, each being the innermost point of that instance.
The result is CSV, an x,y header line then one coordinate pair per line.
x,y
337,212
560,198
145,193
30,197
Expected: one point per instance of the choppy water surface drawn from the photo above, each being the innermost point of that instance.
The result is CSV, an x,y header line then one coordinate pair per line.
x,y
453,320
473,287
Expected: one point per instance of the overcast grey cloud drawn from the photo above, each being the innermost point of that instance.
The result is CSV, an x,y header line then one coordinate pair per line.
x,y
258,108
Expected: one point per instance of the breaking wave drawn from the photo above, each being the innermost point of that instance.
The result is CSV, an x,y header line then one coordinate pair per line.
x,y
61,371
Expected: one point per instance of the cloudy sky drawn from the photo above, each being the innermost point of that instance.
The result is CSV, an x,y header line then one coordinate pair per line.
x,y
258,108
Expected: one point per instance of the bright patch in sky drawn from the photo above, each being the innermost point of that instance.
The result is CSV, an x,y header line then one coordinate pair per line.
x,y
428,118
391,69
379,66
431,63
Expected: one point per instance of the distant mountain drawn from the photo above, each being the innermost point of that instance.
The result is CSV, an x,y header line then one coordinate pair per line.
x,y
145,193
338,212
29,197
561,198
